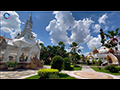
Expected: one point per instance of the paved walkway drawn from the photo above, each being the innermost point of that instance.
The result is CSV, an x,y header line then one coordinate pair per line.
x,y
88,73
85,73
18,74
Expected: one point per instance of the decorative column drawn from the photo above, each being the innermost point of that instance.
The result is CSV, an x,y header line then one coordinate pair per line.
x,y
6,54
18,53
38,55
29,54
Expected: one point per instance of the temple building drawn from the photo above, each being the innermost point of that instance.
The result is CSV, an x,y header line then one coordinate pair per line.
x,y
22,48
107,55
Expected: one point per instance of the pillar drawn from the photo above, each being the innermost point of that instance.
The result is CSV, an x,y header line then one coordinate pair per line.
x,y
38,55
18,54
29,54
6,54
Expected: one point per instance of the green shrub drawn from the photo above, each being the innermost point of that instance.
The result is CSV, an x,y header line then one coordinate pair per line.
x,y
93,62
66,63
88,62
10,64
99,62
117,68
112,68
71,67
44,73
57,62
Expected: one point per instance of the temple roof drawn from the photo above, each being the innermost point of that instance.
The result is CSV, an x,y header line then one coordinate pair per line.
x,y
89,53
103,49
95,51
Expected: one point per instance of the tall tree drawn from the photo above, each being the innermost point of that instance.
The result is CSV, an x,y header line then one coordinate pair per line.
x,y
74,48
62,46
113,40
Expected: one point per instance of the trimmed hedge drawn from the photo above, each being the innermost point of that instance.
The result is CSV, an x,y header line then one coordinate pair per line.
x,y
44,73
112,68
11,64
67,64
99,62
57,62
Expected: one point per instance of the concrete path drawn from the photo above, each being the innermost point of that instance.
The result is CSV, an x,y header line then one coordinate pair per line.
x,y
87,68
18,74
89,73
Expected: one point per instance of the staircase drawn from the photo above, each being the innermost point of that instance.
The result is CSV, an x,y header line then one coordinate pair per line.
x,y
36,64
118,57
114,59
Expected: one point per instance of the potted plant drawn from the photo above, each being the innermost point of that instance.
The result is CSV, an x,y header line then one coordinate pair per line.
x,y
10,65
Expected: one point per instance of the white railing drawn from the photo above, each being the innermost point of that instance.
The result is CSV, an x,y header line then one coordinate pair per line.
x,y
114,58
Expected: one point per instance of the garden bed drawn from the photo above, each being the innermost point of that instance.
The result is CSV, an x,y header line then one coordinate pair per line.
x,y
105,71
61,75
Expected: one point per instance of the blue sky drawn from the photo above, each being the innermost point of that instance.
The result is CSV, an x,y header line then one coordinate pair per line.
x,y
50,27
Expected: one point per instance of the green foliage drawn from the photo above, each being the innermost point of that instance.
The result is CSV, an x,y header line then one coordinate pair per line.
x,y
10,64
44,73
117,68
112,68
93,62
105,71
99,62
71,67
57,62
60,75
109,35
67,63
88,62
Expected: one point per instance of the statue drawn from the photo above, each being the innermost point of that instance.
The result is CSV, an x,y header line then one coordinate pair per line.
x,y
22,57
102,37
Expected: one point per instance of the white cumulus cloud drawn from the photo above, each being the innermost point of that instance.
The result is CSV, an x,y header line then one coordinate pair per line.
x,y
11,25
64,21
103,18
96,28
94,42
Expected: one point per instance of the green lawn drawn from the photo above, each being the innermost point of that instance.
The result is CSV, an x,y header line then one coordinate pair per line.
x,y
78,68
61,75
105,71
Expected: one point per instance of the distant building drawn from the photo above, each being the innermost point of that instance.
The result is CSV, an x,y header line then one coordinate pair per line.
x,y
103,53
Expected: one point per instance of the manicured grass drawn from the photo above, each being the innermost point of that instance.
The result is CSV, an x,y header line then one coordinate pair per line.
x,y
78,68
47,65
33,77
61,75
65,76
105,71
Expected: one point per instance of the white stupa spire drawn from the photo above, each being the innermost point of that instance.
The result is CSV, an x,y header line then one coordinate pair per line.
x,y
29,23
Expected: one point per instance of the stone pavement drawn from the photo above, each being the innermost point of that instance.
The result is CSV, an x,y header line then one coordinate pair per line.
x,y
18,74
85,73
88,73
87,68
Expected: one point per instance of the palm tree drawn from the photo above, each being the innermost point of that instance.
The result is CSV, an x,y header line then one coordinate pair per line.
x,y
79,51
74,46
111,35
